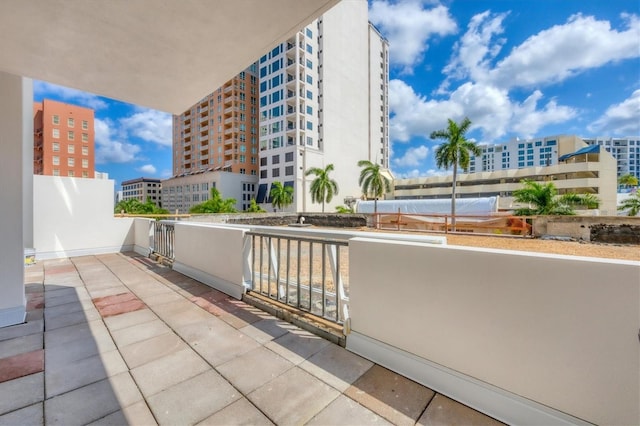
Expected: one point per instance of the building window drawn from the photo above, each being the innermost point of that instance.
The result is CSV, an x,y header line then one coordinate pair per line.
x,y
70,122
263,161
71,149
288,156
85,150
85,174
55,119
71,135
56,160
71,162
85,163
56,146
85,125
243,171
275,159
263,174
71,173
85,137
275,172
56,172
288,171
56,133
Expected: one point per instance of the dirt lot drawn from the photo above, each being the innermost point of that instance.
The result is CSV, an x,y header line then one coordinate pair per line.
x,y
630,252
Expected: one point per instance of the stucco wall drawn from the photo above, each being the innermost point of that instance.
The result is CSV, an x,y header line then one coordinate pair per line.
x,y
74,216
558,330
212,254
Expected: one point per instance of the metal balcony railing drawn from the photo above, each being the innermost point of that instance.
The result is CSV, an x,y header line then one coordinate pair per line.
x,y
306,273
163,239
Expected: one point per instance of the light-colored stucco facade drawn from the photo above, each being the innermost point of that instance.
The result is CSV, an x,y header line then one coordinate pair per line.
x,y
323,100
181,193
593,173
143,189
625,150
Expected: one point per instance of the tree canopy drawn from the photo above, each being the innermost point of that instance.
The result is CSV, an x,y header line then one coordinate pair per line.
x,y
372,181
135,206
215,204
631,205
543,199
628,180
281,195
254,207
455,151
323,188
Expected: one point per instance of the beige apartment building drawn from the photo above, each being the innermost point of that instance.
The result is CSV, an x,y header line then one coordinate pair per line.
x,y
220,132
579,168
143,189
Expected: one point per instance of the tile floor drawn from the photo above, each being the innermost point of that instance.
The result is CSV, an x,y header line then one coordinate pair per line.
x,y
117,339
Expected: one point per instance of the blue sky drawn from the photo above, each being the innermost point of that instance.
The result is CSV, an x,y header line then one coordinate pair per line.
x,y
516,68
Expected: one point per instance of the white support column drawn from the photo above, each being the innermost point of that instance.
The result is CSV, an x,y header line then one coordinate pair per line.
x,y
16,139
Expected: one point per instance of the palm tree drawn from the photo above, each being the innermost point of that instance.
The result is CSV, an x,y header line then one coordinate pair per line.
x,y
628,180
215,204
543,199
632,204
373,182
281,195
454,152
323,188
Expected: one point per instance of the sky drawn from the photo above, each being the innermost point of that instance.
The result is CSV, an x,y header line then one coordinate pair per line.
x,y
516,68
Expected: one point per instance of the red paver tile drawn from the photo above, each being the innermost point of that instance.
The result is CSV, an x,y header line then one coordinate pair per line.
x,y
208,306
121,308
21,365
115,299
214,296
35,301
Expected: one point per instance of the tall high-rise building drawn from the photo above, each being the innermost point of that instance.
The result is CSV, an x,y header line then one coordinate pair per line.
x,y
626,151
324,100
221,131
63,140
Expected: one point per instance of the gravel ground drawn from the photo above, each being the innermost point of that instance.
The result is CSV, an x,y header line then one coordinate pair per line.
x,y
611,251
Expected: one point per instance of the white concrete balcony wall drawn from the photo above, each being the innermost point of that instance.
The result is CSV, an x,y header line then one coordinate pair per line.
x,y
74,217
143,233
213,255
507,333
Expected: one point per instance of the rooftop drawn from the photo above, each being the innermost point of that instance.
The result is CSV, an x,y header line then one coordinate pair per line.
x,y
118,338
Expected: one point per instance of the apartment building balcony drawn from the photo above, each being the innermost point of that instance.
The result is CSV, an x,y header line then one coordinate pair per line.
x,y
231,130
181,344
231,120
230,88
231,110
230,100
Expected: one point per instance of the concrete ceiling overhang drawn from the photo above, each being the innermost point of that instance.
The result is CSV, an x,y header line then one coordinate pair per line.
x,y
163,54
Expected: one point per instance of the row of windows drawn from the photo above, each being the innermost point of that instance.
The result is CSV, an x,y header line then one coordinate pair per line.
x,y
71,162
71,149
70,122
70,173
70,135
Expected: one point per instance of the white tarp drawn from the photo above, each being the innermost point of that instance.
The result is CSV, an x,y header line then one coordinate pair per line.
x,y
464,206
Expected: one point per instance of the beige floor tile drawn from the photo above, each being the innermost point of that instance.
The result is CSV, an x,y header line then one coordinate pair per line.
x,y
345,411
268,329
193,400
74,375
240,413
21,392
139,332
297,345
253,369
160,298
27,416
445,411
336,366
151,349
394,397
75,350
295,397
63,336
73,318
180,313
136,414
141,316
167,371
92,402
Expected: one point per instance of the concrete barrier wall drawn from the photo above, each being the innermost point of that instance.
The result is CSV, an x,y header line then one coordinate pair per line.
x,y
578,227
74,217
214,255
142,235
559,331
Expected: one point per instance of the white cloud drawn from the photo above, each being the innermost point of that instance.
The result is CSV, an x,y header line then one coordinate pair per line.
x,y
412,157
528,119
149,125
620,119
148,169
408,25
409,174
562,51
109,150
166,173
47,90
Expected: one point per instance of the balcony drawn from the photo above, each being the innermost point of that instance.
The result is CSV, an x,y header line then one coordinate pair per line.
x,y
142,338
